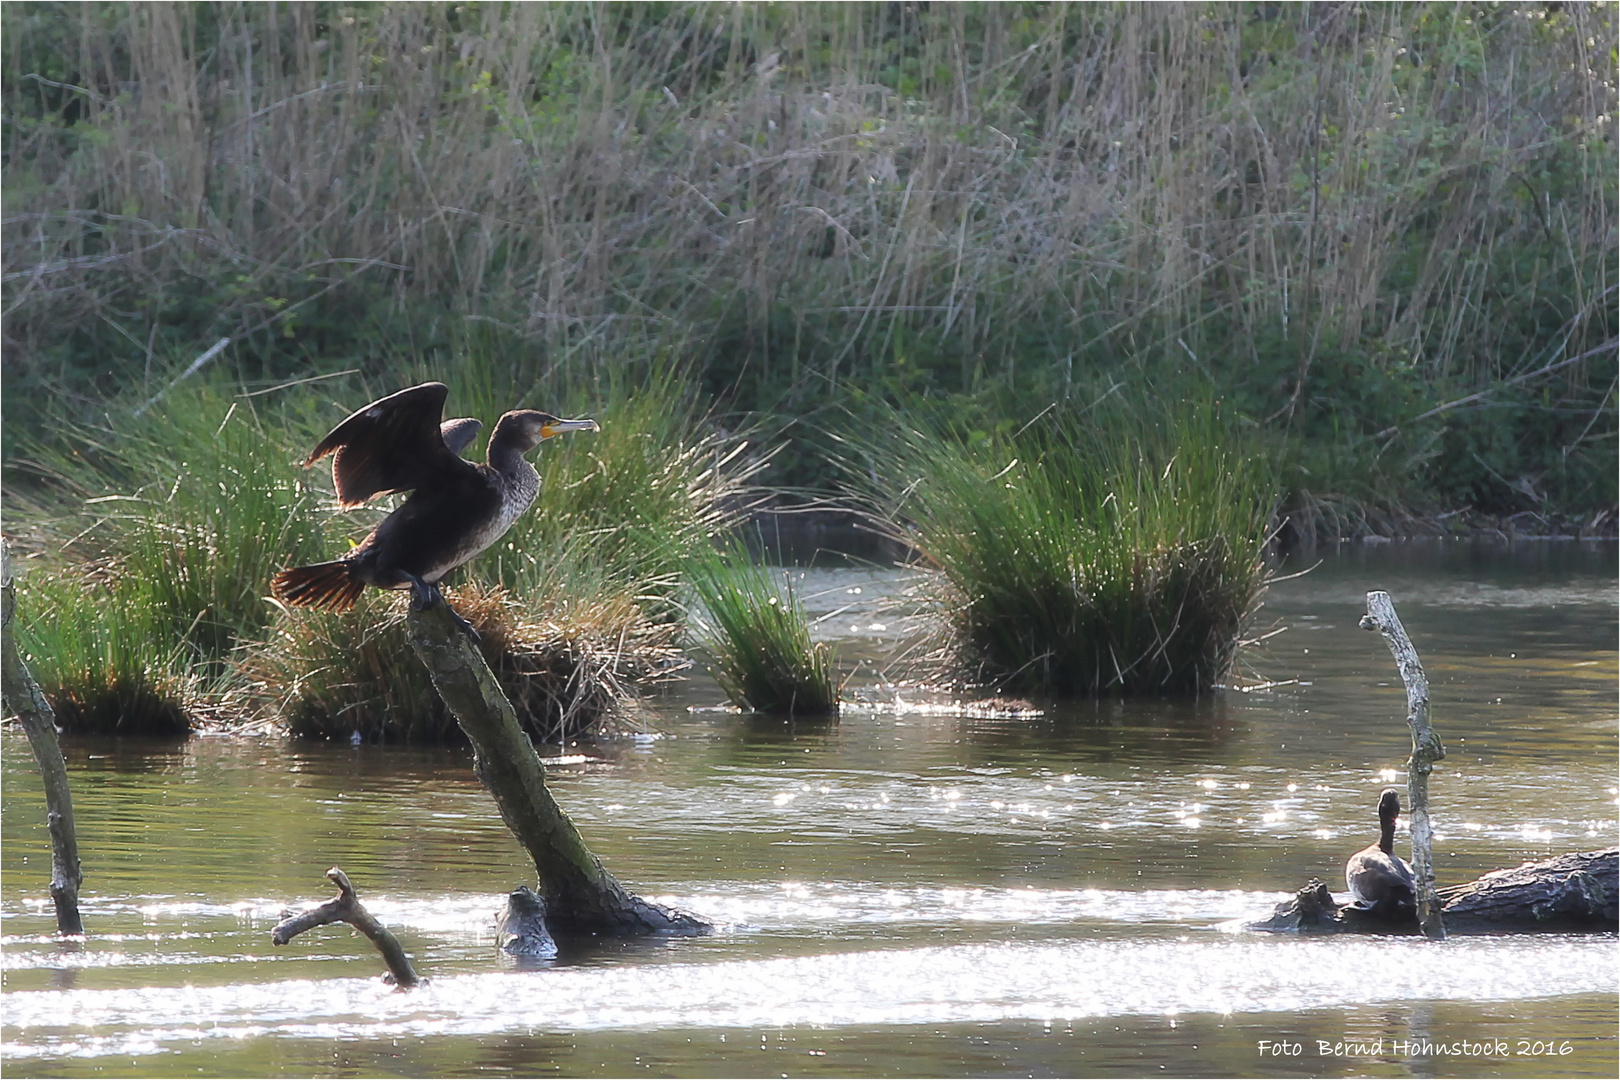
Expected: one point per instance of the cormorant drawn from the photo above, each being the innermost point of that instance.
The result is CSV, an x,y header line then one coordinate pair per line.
x,y
1379,881
456,508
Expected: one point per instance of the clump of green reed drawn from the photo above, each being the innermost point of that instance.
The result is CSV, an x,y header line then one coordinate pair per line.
x,y
103,665
196,502
565,663
1089,555
758,637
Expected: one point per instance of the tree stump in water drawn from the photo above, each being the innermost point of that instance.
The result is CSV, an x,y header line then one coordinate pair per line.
x,y
1574,893
581,897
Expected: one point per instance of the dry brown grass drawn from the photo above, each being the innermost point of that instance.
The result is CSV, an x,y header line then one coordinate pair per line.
x,y
826,177
567,665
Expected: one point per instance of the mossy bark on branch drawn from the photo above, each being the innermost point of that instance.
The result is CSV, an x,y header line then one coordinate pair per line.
x,y
1426,750
581,897
34,713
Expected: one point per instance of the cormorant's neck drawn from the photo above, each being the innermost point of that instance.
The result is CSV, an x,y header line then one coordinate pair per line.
x,y
1386,835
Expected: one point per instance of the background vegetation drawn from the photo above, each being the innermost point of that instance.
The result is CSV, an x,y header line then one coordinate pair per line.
x,y
1383,234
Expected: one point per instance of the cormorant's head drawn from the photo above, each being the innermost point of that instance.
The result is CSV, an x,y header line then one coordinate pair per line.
x,y
530,427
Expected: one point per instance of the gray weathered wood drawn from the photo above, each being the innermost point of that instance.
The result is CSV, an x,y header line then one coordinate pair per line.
x,y
23,696
581,897
346,907
1426,750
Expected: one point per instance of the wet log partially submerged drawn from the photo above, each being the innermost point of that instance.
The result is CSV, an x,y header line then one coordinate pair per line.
x,y
1570,893
581,897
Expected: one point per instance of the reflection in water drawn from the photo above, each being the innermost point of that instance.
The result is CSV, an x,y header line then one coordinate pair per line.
x,y
898,892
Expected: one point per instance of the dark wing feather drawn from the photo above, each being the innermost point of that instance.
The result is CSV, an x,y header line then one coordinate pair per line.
x,y
458,434
393,444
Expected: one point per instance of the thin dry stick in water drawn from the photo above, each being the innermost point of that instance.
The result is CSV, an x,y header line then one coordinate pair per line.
x,y
346,907
1426,750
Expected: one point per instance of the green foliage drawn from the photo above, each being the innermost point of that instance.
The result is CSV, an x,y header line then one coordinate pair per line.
x,y
100,660
758,637
1344,220
634,499
1089,553
194,503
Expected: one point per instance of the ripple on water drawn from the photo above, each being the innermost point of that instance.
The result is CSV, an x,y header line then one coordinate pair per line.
x,y
955,984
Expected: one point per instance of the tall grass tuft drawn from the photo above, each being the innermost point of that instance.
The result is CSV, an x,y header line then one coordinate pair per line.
x,y
758,638
565,664
92,646
194,504
1088,556
635,499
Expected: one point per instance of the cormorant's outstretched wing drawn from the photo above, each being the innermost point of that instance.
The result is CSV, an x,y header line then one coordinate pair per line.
x,y
458,434
393,444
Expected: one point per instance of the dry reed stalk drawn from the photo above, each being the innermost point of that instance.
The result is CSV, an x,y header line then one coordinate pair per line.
x,y
1124,178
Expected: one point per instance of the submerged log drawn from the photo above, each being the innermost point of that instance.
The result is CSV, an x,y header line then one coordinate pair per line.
x,y
581,897
1575,893
346,907
1426,750
24,697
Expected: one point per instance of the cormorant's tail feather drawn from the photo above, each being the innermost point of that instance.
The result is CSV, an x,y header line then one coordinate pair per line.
x,y
325,586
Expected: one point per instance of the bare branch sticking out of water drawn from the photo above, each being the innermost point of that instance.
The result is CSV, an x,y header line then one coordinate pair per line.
x,y
24,697
1426,750
346,907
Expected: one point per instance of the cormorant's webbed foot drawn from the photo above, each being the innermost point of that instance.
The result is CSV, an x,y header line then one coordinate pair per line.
x,y
424,596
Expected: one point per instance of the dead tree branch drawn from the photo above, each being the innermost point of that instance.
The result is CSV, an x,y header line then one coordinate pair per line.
x,y
581,897
1426,750
24,697
346,907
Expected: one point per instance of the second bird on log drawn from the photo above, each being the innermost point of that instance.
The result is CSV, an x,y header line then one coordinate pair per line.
x,y
456,508
1380,882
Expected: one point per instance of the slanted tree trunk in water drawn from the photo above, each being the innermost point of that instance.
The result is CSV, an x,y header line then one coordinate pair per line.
x,y
581,897
1426,750
24,697
1576,892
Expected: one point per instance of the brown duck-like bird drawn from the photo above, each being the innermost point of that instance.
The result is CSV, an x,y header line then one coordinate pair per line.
x,y
1379,881
456,508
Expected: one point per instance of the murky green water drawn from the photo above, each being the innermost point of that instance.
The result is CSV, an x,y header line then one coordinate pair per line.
x,y
900,893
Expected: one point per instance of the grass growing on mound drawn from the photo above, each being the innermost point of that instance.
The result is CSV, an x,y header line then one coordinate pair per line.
x,y
1091,555
634,499
195,503
565,664
101,663
758,637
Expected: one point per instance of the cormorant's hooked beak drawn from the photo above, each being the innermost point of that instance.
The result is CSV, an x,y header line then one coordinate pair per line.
x,y
560,427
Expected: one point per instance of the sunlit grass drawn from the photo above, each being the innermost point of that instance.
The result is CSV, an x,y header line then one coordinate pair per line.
x,y
758,638
1088,555
106,670
193,504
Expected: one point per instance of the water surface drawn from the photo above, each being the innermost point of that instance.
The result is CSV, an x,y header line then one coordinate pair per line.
x,y
903,892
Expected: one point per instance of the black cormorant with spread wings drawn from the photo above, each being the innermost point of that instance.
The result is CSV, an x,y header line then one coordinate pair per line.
x,y
456,508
